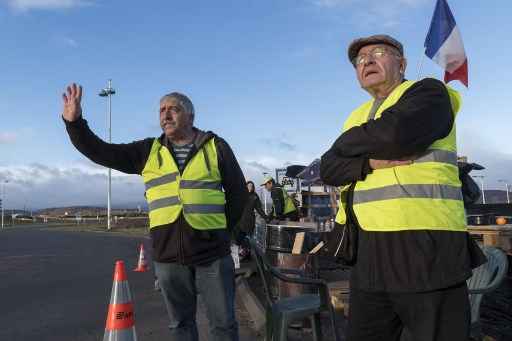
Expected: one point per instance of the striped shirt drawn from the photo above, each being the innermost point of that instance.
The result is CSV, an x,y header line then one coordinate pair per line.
x,y
181,153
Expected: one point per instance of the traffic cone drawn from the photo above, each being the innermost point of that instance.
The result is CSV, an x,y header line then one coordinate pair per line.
x,y
142,266
120,324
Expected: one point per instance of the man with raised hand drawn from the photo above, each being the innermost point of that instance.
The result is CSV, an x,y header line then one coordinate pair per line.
x,y
195,191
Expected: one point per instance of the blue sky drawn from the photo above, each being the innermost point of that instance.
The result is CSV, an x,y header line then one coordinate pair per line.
x,y
270,76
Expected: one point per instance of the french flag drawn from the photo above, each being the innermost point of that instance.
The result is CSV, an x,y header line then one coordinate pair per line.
x,y
444,44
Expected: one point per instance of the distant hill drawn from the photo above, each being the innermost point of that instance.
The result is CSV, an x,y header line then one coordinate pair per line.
x,y
86,211
492,196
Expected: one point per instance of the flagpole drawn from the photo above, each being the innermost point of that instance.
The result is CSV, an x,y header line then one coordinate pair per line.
x,y
420,65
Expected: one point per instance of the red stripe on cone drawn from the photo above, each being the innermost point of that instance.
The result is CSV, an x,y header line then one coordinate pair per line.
x,y
120,316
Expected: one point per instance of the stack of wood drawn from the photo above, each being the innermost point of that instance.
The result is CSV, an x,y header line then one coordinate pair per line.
x,y
494,235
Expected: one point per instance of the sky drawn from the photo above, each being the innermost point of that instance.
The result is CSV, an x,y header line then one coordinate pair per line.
x,y
269,76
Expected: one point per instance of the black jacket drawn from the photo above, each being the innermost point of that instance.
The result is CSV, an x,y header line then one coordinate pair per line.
x,y
277,200
176,242
248,220
404,261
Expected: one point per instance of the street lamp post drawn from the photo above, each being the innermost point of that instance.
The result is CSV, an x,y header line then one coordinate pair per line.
x,y
481,177
3,200
108,92
506,186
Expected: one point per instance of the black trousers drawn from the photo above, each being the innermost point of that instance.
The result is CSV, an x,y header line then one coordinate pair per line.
x,y
441,315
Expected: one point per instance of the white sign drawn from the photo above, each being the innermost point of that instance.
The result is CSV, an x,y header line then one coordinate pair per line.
x,y
289,184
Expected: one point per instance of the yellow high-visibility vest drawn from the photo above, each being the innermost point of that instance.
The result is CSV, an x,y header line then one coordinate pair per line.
x,y
425,195
197,192
289,206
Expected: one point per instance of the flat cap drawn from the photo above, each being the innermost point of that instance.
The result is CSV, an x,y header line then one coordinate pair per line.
x,y
356,45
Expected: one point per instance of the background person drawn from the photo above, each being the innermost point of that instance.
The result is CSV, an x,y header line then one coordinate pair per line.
x,y
248,220
283,207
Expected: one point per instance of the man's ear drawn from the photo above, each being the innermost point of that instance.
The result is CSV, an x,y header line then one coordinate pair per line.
x,y
403,66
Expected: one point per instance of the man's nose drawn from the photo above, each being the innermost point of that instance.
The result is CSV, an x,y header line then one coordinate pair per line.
x,y
369,60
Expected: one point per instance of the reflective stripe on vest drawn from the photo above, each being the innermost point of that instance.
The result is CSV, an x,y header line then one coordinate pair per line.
x,y
438,155
163,202
432,191
165,179
423,195
197,192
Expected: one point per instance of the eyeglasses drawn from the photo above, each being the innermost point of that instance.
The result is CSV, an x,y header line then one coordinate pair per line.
x,y
376,53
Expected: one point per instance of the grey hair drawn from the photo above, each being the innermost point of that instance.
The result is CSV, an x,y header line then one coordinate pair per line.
x,y
183,101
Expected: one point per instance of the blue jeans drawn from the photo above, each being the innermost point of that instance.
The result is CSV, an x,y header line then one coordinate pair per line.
x,y
180,285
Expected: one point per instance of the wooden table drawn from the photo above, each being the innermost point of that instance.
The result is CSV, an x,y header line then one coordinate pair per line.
x,y
495,235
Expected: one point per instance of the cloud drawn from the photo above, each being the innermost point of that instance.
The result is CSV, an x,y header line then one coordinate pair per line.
x,y
488,153
7,137
259,166
279,143
27,5
81,182
254,168
39,186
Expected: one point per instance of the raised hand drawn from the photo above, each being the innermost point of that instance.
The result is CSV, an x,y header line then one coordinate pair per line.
x,y
72,107
380,164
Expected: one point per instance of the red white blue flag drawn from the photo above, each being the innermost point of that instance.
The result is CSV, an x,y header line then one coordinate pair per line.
x,y
444,44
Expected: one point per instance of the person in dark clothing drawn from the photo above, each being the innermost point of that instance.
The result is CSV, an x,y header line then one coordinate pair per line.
x,y
413,254
196,193
248,220
283,207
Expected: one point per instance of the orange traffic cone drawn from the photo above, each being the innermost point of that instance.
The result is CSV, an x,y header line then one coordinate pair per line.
x,y
120,324
142,266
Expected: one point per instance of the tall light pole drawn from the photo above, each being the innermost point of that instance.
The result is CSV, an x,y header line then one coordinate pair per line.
x,y
506,186
108,92
481,177
3,199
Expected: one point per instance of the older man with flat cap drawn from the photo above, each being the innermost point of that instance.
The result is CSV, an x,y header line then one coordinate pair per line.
x,y
396,165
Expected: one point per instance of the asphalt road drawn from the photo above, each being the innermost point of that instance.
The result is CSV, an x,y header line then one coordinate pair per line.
x,y
56,285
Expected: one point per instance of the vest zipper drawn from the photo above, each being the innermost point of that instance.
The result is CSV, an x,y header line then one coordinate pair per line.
x,y
206,161
159,157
